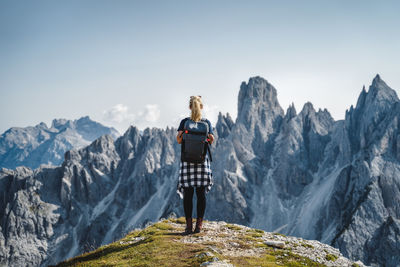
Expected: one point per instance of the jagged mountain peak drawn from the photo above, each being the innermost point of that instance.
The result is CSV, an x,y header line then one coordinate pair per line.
x,y
132,131
377,79
360,100
102,141
85,119
325,112
129,141
42,125
290,112
380,91
220,116
226,117
32,146
258,103
257,89
224,124
372,105
308,109
91,129
149,131
323,115
257,80
102,145
61,123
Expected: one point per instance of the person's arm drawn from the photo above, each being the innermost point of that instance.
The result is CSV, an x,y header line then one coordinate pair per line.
x,y
179,137
180,131
211,137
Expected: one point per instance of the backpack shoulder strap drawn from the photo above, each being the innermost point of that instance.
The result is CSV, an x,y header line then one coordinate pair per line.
x,y
187,119
208,144
209,150
205,121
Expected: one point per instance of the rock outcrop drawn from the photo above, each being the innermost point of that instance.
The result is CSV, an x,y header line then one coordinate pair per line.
x,y
218,244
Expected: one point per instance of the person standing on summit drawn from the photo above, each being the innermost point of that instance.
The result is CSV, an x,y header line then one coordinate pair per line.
x,y
195,135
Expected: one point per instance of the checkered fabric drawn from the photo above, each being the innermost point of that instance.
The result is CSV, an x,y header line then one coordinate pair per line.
x,y
195,174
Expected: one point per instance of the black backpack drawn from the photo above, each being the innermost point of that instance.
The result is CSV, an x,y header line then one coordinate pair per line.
x,y
195,141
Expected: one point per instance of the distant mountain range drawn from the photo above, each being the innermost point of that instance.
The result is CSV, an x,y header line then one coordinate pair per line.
x,y
32,146
302,174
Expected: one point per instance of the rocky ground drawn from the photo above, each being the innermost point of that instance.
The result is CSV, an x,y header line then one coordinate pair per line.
x,y
240,241
219,244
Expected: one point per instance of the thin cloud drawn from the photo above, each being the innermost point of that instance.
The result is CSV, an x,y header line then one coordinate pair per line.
x,y
118,114
211,112
121,117
151,113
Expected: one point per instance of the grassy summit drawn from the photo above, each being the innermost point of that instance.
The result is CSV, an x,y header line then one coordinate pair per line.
x,y
219,244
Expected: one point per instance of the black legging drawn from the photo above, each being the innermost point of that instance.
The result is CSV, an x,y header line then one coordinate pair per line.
x,y
188,201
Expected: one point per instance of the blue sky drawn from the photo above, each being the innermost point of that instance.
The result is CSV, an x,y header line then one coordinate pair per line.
x,y
137,62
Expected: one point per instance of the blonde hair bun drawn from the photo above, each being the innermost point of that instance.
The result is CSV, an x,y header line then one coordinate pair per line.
x,y
195,105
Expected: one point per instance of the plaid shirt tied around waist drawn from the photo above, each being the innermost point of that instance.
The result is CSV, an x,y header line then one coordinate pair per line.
x,y
194,174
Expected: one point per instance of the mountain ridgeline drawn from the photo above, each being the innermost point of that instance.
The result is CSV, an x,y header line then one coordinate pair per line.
x,y
301,174
33,146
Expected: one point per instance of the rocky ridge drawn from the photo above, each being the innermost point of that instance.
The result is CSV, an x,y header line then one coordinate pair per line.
x,y
301,174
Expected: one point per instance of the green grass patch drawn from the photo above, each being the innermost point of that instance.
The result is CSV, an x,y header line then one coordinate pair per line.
x,y
180,220
250,238
157,249
255,231
243,243
275,257
331,257
306,245
256,235
276,233
261,245
164,226
223,235
233,227
265,261
291,259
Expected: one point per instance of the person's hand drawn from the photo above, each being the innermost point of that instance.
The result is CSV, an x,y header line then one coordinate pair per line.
x,y
179,137
211,137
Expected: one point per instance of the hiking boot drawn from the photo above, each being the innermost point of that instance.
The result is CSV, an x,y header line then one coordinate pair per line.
x,y
199,225
189,227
